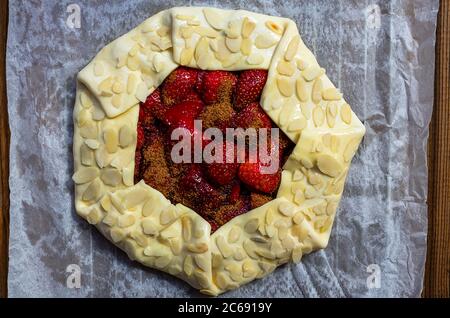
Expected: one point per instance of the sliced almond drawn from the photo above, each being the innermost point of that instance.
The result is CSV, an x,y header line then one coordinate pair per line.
x,y
201,48
86,155
186,32
126,136
98,114
93,191
255,59
286,208
297,124
111,176
297,255
163,261
231,60
111,140
301,64
149,227
298,218
117,87
186,228
346,114
202,31
250,248
168,215
316,94
116,101
350,149
265,41
222,52
126,220
94,216
85,100
131,83
142,92
214,18
318,116
251,226
329,165
223,247
163,31
285,86
247,27
285,68
197,248
292,48
331,94
135,197
234,45
186,56
312,72
188,265
274,27
202,262
234,235
85,175
105,203
105,86
133,63
193,22
246,46
110,220
302,93
117,234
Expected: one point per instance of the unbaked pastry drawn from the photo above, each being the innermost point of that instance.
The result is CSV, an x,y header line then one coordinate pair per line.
x,y
298,97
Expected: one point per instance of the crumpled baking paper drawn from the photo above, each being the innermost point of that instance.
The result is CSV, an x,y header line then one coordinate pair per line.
x,y
379,53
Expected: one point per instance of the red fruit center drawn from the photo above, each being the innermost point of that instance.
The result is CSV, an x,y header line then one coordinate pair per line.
x,y
218,191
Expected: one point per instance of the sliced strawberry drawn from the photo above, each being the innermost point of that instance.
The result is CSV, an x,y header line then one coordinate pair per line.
x,y
183,114
223,172
249,87
218,86
253,116
199,83
153,106
235,192
195,182
251,174
178,84
140,137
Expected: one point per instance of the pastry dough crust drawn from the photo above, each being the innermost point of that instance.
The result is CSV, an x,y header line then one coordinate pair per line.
x,y
298,96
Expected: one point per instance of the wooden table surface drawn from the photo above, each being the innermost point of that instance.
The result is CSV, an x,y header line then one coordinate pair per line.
x,y
437,276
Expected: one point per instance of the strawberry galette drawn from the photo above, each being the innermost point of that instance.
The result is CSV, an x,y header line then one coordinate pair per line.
x,y
211,145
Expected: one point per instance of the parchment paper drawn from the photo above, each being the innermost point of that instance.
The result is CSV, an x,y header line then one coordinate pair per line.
x,y
381,55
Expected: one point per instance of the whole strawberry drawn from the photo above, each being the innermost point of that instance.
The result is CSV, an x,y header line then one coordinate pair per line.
x,y
252,175
224,172
178,84
218,86
249,87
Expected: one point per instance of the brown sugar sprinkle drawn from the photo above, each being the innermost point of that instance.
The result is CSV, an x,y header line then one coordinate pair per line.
x,y
258,199
217,203
155,170
217,115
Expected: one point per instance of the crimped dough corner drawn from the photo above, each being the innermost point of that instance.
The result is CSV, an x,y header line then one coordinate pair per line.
x,y
299,98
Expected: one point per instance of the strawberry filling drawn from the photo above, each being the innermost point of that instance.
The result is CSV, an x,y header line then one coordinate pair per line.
x,y
218,191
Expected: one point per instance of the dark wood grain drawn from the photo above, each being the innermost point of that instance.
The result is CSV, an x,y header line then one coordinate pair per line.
x,y
437,276
437,273
4,155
